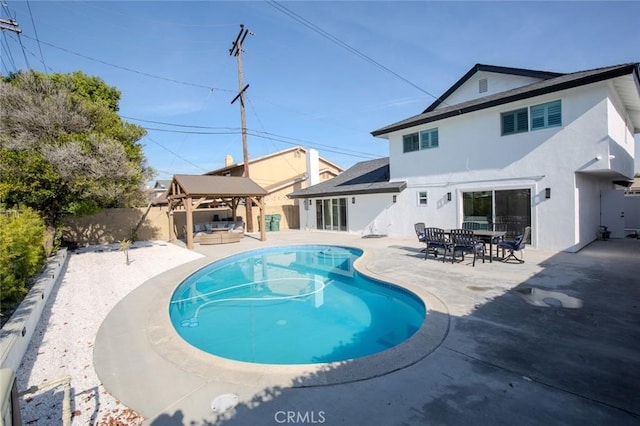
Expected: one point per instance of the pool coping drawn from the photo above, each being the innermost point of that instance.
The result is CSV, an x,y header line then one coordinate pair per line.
x,y
154,352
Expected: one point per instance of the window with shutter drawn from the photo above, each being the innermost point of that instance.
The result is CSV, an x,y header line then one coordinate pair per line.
x,y
410,142
515,121
429,139
546,115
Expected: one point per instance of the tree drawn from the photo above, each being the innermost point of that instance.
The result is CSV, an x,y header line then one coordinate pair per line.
x,y
63,146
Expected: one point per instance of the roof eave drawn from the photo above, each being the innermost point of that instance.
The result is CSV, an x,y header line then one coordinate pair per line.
x,y
385,190
617,72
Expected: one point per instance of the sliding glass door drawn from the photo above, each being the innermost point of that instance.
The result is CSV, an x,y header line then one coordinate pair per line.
x,y
331,214
510,207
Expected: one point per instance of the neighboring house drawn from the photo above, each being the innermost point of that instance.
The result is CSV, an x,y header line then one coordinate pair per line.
x,y
530,148
280,173
158,192
634,189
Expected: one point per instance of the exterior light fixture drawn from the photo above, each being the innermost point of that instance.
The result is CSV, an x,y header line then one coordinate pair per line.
x,y
353,200
395,198
547,193
448,196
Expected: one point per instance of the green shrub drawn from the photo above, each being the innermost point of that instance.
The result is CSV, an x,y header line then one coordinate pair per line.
x,y
21,254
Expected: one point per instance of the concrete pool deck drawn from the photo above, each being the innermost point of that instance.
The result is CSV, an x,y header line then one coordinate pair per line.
x,y
553,340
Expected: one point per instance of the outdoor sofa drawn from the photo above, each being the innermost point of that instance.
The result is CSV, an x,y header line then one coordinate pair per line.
x,y
218,232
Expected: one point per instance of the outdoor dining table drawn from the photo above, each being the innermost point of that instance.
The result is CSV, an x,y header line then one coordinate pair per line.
x,y
489,235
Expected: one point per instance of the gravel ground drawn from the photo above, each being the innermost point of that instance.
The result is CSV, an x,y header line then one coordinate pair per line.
x,y
95,280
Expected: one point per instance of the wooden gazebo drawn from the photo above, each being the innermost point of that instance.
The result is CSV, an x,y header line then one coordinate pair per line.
x,y
189,192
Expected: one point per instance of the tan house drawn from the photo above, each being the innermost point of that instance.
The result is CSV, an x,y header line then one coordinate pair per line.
x,y
280,174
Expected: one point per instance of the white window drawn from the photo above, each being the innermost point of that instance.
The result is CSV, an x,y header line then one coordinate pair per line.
x,y
426,139
534,117
422,198
546,115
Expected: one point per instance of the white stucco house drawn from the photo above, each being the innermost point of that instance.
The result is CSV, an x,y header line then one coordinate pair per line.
x,y
549,150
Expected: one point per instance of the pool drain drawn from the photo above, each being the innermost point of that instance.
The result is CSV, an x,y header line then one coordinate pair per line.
x,y
224,402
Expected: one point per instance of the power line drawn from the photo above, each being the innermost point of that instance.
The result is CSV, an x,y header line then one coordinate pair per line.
x,y
9,54
176,154
275,138
131,69
36,34
191,126
235,131
346,46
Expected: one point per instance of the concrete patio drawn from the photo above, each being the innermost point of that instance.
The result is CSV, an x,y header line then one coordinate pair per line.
x,y
555,340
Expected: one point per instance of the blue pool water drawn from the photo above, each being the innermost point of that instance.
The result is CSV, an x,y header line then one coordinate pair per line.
x,y
292,305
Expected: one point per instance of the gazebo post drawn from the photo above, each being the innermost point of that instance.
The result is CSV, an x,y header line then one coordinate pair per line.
x,y
263,234
172,234
189,214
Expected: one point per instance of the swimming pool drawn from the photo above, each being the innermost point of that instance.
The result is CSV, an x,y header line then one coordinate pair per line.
x,y
292,305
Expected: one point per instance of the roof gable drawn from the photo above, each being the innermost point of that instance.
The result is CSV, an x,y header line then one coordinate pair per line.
x,y
268,156
563,82
526,75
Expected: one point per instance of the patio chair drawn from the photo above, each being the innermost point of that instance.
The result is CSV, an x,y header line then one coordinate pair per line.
x,y
435,240
471,225
420,227
464,241
517,244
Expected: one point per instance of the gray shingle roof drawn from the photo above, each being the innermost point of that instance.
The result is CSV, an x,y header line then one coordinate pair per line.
x,y
562,82
365,177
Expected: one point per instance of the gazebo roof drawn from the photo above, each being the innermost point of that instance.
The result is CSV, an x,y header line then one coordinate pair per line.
x,y
216,186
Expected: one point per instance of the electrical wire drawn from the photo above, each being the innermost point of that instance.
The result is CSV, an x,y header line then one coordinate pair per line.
x,y
175,154
9,54
131,69
237,131
24,54
36,34
346,46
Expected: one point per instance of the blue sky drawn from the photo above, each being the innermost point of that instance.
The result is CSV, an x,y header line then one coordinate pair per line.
x,y
304,88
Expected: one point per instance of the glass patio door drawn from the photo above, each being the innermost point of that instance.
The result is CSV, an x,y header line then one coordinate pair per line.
x,y
331,214
511,207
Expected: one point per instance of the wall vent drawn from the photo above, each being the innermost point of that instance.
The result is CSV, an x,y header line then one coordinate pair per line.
x,y
483,85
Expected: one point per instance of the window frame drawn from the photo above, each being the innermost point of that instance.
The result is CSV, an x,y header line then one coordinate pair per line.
x,y
539,116
420,198
429,133
546,115
514,113
421,140
413,144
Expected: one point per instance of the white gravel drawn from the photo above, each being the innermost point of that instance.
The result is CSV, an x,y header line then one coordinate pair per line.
x,y
95,280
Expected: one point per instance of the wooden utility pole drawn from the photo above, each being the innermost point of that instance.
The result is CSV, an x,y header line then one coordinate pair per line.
x,y
236,50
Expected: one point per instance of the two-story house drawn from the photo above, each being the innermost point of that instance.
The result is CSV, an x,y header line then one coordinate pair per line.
x,y
528,148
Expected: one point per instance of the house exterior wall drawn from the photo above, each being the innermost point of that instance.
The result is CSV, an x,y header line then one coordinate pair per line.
x,y
371,214
474,156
